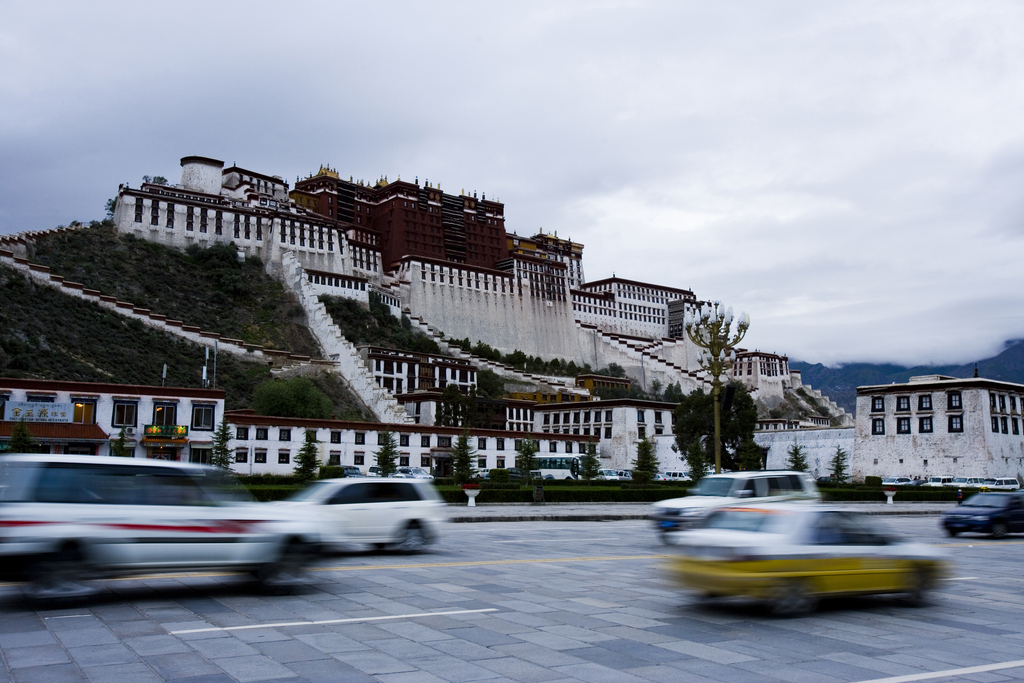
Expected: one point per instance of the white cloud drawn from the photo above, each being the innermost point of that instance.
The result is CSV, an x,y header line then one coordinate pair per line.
x,y
850,174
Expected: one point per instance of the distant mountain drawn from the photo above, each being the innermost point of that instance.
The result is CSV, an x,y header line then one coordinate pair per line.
x,y
840,383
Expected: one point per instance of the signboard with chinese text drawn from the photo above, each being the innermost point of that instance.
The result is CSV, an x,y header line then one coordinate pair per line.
x,y
171,431
29,411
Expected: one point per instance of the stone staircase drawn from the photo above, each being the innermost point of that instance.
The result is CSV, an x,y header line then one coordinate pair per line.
x,y
343,357
634,351
254,352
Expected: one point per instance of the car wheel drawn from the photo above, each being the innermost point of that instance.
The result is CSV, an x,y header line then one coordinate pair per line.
x,y
663,536
58,577
951,532
792,599
921,581
413,539
998,530
289,566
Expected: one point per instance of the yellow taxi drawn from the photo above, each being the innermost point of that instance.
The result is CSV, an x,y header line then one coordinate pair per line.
x,y
791,555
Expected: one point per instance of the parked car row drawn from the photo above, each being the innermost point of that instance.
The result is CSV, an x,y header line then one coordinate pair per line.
x,y
995,484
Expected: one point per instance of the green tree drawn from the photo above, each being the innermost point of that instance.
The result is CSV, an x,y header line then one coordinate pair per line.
x,y
797,458
306,462
646,464
673,393
590,464
109,207
838,465
749,455
462,458
451,408
21,440
118,449
387,454
526,459
696,461
295,397
221,455
695,421
489,384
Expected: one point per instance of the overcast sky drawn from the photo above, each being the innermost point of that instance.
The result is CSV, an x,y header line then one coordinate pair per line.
x,y
850,174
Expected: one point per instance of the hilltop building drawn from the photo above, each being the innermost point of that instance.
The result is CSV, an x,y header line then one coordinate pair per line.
x,y
446,261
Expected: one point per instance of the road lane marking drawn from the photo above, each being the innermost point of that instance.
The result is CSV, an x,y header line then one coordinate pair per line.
x,y
961,578
947,673
333,621
560,540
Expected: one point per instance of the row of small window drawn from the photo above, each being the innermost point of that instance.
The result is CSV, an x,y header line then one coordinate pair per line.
x,y
125,414
955,425
924,402
563,418
260,457
998,402
263,434
999,425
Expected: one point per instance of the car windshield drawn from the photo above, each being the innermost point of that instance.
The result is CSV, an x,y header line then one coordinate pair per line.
x,y
311,492
934,480
761,520
960,480
987,500
712,486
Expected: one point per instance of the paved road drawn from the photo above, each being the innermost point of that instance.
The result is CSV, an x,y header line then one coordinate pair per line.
x,y
530,601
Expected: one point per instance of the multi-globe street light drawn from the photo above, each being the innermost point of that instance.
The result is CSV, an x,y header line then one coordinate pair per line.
x,y
711,330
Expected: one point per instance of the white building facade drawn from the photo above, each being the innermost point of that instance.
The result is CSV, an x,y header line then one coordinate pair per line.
x,y
169,423
935,425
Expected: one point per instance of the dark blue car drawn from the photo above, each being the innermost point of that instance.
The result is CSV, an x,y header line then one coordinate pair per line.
x,y
989,513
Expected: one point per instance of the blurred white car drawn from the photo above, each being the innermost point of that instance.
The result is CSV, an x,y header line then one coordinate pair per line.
x,y
405,514
65,519
717,490
610,475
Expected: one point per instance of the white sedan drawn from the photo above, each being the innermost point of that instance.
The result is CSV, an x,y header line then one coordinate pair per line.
x,y
405,514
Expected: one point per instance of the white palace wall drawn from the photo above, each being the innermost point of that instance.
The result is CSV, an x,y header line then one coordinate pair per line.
x,y
505,320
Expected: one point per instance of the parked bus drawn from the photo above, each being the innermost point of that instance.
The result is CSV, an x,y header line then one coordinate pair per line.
x,y
558,468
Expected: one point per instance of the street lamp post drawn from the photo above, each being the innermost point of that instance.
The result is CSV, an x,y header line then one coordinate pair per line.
x,y
711,330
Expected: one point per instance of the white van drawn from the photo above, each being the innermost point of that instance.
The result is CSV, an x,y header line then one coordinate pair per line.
x,y
65,519
676,476
939,481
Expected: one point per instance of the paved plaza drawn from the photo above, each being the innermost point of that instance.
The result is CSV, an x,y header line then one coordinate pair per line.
x,y
521,601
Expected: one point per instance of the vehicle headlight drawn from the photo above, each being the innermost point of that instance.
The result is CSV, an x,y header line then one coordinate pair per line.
x,y
690,512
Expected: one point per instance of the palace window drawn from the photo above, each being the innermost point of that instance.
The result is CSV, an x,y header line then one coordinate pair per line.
x,y
902,403
924,425
403,440
878,426
360,438
284,435
954,401
924,402
260,456
284,457
877,404
956,424
425,441
124,414
202,417
242,433
903,425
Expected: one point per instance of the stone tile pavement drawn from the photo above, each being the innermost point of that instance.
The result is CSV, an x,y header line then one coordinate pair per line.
x,y
534,601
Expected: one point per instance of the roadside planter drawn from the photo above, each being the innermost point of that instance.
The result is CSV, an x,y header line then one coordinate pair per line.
x,y
889,492
472,491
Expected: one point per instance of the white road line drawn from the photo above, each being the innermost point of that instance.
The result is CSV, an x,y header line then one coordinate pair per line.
x,y
962,578
333,621
69,616
560,540
948,673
